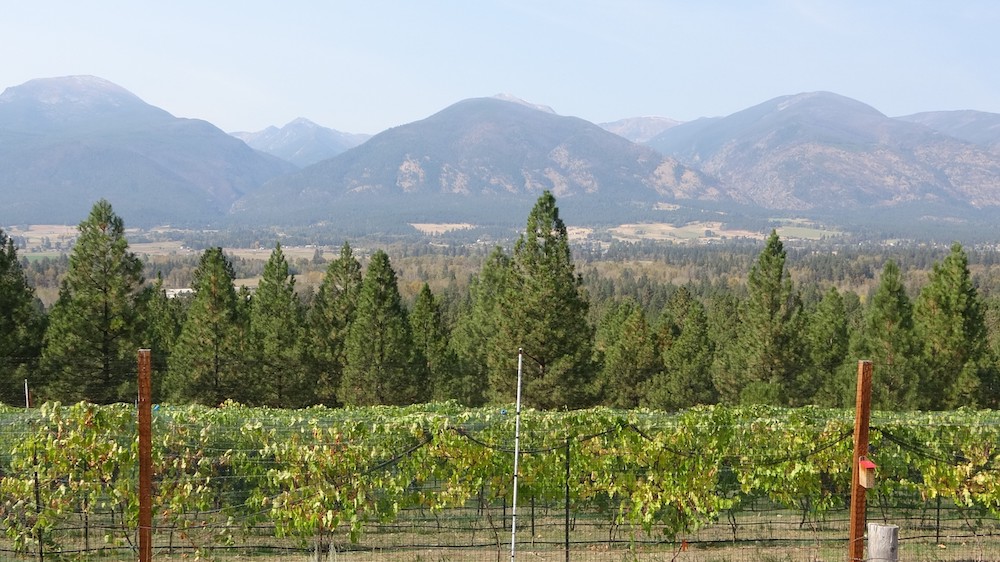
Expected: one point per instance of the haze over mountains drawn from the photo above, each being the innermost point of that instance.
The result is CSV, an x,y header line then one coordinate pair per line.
x,y
301,141
824,151
483,154
66,142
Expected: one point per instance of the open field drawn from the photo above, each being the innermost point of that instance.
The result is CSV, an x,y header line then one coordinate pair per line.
x,y
696,231
806,230
51,240
440,228
292,253
161,248
36,235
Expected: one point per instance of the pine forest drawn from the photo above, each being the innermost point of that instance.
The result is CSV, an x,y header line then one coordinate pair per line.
x,y
751,324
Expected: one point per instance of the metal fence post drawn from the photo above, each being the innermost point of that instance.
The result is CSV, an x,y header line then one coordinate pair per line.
x,y
566,523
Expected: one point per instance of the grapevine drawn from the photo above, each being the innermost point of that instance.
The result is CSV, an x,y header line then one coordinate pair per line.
x,y
323,475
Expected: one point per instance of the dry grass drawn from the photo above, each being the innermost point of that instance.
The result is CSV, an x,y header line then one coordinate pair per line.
x,y
440,228
34,234
703,231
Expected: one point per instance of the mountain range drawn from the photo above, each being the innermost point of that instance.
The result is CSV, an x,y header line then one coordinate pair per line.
x,y
824,151
480,154
65,142
301,141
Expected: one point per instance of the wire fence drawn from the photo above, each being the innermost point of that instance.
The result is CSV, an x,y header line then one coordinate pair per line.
x,y
69,493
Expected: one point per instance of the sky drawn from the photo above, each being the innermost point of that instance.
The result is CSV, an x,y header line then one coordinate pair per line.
x,y
362,66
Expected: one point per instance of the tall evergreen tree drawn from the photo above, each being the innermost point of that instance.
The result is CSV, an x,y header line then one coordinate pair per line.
x,y
276,324
207,363
722,311
827,344
768,351
608,326
629,356
382,365
476,325
949,320
431,341
328,321
545,313
21,323
92,338
889,340
990,385
686,354
161,324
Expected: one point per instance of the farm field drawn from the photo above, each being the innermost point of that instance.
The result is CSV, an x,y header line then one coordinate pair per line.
x,y
54,239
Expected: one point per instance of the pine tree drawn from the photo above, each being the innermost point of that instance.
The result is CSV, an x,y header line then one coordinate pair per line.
x,y
92,339
628,356
477,324
161,325
686,355
767,356
276,322
990,384
207,363
431,340
827,343
889,340
544,312
328,321
21,323
382,365
949,320
722,311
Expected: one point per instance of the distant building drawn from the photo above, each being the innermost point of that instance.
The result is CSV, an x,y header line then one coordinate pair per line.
x,y
172,293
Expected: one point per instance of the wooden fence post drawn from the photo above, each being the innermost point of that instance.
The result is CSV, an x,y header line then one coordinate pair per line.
x,y
145,457
861,422
883,542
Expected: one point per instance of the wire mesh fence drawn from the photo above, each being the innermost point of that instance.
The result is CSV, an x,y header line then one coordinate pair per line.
x,y
375,484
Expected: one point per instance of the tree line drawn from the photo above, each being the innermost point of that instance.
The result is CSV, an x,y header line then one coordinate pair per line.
x,y
355,342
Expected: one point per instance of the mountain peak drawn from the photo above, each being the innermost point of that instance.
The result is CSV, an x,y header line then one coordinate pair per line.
x,y
70,101
515,99
83,89
807,101
640,129
301,141
302,122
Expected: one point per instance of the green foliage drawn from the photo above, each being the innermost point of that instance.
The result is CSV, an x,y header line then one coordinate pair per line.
x,y
276,324
827,342
686,353
629,357
888,339
755,342
542,310
21,323
949,320
382,365
766,360
334,472
430,340
161,323
477,325
94,327
327,324
206,365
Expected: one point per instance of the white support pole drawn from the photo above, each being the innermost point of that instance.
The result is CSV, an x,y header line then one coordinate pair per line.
x,y
517,451
27,395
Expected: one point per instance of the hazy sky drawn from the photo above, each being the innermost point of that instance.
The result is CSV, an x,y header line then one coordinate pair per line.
x,y
365,65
